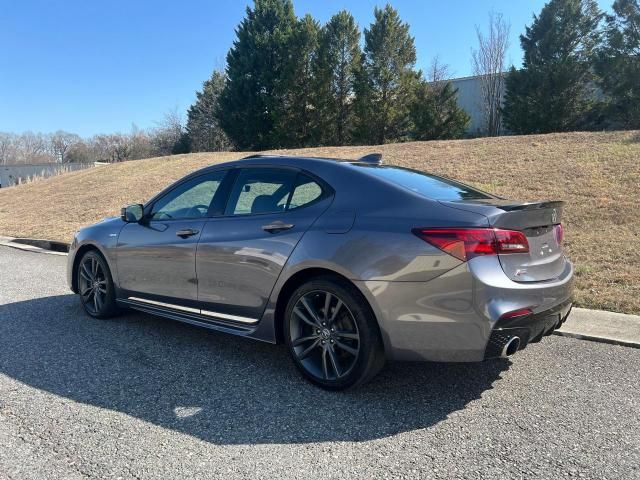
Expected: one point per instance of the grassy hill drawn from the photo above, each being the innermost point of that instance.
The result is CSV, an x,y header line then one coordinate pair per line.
x,y
597,174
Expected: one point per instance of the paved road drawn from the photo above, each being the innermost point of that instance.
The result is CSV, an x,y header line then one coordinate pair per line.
x,y
143,397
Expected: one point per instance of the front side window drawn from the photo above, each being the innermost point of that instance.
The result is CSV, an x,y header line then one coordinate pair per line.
x,y
192,199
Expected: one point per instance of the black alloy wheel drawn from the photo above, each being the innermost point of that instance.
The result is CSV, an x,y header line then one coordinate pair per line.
x,y
95,286
332,334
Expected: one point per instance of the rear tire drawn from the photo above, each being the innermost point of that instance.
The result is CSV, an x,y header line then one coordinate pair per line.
x,y
95,286
332,334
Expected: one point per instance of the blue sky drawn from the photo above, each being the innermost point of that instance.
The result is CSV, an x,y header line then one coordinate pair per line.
x,y
89,67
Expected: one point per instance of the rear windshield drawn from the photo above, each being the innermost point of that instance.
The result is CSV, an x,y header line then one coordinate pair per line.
x,y
430,186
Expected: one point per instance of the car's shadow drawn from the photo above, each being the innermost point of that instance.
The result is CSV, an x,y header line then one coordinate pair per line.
x,y
216,387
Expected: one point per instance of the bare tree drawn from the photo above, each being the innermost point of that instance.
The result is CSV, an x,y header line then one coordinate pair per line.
x,y
7,147
438,71
489,65
61,141
437,76
167,134
34,148
111,148
139,144
79,152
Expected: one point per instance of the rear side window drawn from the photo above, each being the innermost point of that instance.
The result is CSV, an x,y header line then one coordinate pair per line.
x,y
261,190
430,186
305,192
271,190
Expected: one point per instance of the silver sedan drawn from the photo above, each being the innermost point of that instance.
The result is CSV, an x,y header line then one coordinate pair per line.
x,y
348,263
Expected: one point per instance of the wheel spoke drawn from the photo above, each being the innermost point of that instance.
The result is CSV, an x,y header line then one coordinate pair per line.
x,y
350,335
335,311
346,348
309,349
86,291
311,311
95,301
100,299
327,305
325,371
102,289
94,267
85,273
301,340
304,318
334,361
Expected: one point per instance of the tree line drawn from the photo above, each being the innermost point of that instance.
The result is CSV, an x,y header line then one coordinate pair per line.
x,y
292,82
167,138
581,70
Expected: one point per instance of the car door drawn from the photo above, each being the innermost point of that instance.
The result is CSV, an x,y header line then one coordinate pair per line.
x,y
156,257
241,254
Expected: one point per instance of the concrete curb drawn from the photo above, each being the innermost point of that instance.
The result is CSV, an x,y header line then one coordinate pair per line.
x,y
601,326
594,338
35,245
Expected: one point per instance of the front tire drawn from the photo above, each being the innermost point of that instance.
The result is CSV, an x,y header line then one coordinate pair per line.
x,y
332,334
95,286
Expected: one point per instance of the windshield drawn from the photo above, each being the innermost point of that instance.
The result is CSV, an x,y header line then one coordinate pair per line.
x,y
430,186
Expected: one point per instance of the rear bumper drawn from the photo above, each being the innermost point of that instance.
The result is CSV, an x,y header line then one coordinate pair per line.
x,y
453,317
528,330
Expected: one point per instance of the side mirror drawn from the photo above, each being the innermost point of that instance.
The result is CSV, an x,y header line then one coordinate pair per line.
x,y
132,213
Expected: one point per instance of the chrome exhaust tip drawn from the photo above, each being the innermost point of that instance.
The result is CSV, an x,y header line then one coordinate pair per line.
x,y
510,347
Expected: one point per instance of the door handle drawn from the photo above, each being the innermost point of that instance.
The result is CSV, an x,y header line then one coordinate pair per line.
x,y
187,232
277,227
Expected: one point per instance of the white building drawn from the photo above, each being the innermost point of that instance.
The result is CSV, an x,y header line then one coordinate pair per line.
x,y
470,99
14,174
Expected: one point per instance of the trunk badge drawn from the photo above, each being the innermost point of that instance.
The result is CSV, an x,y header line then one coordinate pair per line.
x,y
554,216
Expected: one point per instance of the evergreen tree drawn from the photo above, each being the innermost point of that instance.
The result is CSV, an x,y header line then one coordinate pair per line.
x,y
435,112
253,102
618,64
386,88
298,126
337,67
554,90
203,130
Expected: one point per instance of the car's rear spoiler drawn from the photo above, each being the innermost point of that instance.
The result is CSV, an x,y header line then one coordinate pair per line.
x,y
532,205
518,216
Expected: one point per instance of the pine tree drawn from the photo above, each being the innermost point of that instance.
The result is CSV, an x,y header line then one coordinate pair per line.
x,y
203,130
298,125
339,61
435,112
618,64
386,88
553,92
253,102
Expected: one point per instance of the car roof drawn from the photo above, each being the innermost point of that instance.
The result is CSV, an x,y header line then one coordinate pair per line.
x,y
305,162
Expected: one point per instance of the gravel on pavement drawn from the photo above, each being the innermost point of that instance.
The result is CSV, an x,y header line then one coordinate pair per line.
x,y
144,397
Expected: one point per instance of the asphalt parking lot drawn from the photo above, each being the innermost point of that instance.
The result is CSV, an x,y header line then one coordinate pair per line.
x,y
143,397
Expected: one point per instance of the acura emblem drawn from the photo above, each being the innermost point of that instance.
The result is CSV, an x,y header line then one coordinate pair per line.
x,y
554,216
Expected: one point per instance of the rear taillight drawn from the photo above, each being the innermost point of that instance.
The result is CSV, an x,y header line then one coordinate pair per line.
x,y
520,313
558,231
466,243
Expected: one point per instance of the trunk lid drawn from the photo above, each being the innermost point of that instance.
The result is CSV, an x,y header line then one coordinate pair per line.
x,y
539,221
